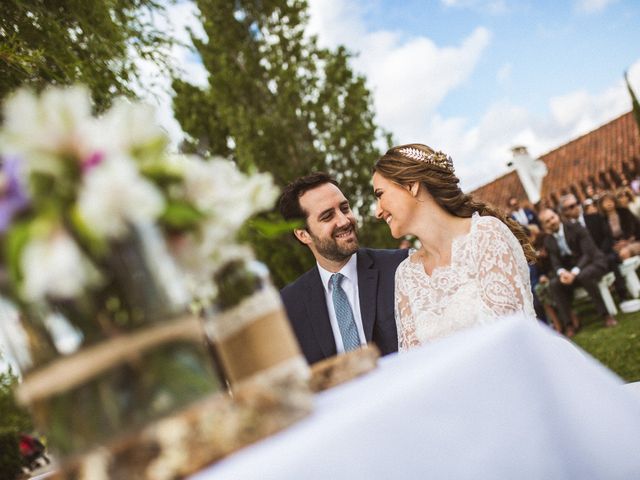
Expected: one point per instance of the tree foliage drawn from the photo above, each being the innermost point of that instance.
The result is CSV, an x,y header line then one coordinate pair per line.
x,y
13,416
94,42
278,102
13,421
635,105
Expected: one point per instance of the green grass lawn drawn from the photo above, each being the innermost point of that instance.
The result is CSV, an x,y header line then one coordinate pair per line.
x,y
618,347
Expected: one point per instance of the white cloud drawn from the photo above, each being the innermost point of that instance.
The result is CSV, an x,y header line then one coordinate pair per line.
x,y
484,155
494,7
410,78
592,6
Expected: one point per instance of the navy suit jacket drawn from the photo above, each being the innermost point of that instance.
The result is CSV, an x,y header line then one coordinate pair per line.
x,y
531,217
584,251
306,305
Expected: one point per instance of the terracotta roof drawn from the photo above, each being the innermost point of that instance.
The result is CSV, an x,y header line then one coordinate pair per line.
x,y
596,157
498,192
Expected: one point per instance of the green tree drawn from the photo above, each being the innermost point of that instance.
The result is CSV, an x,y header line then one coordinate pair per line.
x,y
13,416
278,102
94,42
13,420
634,101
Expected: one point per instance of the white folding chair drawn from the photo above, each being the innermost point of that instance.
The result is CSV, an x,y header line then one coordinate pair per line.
x,y
628,270
603,285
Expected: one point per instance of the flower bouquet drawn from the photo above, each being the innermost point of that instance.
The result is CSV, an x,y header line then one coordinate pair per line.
x,y
109,246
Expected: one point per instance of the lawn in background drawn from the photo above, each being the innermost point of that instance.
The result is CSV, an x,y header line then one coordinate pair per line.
x,y
618,347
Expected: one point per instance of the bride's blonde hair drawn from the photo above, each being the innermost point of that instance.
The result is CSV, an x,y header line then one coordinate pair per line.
x,y
406,164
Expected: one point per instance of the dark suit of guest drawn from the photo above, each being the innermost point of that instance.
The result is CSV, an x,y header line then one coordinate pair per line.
x,y
306,305
584,255
600,232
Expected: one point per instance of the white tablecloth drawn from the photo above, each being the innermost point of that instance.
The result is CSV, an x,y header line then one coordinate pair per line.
x,y
508,401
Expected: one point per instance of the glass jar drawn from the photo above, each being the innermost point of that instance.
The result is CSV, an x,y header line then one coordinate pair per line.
x,y
248,330
108,362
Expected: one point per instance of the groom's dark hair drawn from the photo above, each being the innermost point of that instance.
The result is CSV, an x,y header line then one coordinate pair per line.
x,y
289,203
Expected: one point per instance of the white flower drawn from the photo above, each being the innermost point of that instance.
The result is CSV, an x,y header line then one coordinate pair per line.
x,y
114,195
129,127
196,264
230,197
55,267
43,130
261,191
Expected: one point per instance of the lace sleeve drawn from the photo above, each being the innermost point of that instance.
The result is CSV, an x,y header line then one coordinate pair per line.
x,y
503,272
405,320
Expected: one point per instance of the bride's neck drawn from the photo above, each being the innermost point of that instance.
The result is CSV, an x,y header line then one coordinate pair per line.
x,y
438,230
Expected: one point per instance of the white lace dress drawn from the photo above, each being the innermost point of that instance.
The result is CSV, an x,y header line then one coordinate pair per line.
x,y
488,277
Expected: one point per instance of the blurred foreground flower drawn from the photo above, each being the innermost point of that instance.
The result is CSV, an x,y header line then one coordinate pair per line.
x,y
105,232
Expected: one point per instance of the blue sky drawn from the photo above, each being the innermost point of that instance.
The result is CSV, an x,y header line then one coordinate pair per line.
x,y
474,77
547,48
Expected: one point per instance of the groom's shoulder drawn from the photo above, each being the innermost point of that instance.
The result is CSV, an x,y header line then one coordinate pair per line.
x,y
384,257
299,284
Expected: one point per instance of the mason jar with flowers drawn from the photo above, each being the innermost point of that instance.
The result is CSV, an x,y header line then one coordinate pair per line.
x,y
109,245
104,344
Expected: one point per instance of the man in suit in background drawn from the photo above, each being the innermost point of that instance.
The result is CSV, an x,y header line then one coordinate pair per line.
x,y
524,216
600,232
576,262
347,299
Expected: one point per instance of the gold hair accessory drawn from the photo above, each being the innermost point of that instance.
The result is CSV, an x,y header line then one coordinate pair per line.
x,y
438,159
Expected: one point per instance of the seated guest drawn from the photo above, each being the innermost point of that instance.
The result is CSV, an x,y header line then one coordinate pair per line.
x,y
625,198
600,232
524,216
625,228
539,276
589,207
590,191
576,262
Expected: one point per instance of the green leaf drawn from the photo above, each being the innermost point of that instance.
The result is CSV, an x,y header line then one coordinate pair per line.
x,y
95,245
17,238
161,174
273,229
179,215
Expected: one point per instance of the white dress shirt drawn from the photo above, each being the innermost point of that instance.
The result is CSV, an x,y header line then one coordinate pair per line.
x,y
562,239
350,286
521,217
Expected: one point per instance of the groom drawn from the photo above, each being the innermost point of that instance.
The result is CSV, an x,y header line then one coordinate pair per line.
x,y
346,300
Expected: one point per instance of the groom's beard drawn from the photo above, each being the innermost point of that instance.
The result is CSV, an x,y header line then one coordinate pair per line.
x,y
337,249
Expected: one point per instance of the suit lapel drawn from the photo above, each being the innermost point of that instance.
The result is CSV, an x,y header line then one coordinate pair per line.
x,y
319,316
367,288
571,236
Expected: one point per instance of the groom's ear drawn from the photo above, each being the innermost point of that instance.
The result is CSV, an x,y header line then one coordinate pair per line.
x,y
302,235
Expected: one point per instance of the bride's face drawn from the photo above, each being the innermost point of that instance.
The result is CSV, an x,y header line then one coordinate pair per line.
x,y
393,204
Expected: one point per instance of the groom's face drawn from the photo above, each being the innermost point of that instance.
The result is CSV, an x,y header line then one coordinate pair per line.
x,y
331,227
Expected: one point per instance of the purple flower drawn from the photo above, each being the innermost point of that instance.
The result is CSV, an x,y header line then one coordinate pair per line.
x,y
13,196
92,160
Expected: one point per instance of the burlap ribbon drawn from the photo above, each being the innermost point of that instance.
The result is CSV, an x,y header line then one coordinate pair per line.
x,y
254,336
68,372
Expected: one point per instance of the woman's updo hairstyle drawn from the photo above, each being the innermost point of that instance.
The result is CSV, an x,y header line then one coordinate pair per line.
x,y
414,162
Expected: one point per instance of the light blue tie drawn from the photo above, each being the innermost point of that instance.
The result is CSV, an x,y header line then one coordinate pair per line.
x,y
348,330
562,243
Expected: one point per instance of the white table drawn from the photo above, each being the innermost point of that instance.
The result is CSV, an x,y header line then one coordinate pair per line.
x,y
508,401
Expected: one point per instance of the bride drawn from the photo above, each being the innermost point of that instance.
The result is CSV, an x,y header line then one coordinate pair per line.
x,y
472,266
